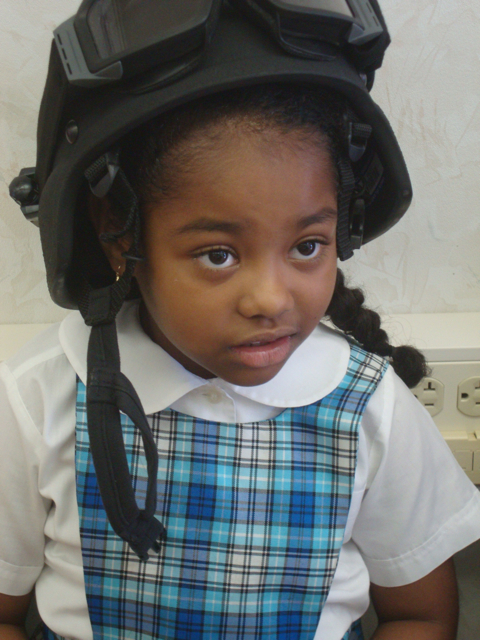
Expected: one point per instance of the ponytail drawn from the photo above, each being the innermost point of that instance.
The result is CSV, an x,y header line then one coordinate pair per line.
x,y
346,311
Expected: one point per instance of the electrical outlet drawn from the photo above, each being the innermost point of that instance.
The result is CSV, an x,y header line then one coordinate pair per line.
x,y
451,374
468,399
460,430
430,393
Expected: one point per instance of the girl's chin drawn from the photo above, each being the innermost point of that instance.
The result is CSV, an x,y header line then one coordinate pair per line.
x,y
242,375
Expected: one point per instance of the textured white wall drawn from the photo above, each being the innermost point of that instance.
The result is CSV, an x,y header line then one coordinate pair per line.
x,y
25,35
429,87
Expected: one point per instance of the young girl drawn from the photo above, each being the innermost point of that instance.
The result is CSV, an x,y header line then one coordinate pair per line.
x,y
284,470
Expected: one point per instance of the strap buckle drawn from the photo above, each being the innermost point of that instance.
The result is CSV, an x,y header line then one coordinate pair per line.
x,y
358,137
357,223
102,173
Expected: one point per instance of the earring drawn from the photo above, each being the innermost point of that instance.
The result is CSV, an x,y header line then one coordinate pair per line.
x,y
117,273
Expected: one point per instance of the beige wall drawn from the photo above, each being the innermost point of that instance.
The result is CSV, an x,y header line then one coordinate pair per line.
x,y
429,87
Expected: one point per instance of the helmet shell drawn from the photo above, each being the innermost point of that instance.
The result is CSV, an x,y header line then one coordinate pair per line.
x,y
77,125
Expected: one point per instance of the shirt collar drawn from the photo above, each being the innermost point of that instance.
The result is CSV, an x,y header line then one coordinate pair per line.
x,y
311,372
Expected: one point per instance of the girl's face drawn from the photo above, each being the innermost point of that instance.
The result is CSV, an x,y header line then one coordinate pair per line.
x,y
241,263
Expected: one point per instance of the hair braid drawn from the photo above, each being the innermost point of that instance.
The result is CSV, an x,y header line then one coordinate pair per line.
x,y
347,312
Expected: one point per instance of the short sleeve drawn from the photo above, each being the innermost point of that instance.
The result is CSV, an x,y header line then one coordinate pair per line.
x,y
419,508
22,509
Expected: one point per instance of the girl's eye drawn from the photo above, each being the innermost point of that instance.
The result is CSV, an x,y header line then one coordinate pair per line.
x,y
306,250
217,259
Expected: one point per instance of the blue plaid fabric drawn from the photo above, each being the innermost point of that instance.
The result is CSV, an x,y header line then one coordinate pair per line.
x,y
255,517
355,632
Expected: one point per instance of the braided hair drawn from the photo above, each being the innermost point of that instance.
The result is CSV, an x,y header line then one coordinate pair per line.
x,y
156,157
347,312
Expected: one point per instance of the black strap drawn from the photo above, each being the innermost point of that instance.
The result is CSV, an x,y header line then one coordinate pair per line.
x,y
109,391
99,306
345,192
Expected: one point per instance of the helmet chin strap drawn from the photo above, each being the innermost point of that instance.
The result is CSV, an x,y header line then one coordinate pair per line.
x,y
109,391
345,192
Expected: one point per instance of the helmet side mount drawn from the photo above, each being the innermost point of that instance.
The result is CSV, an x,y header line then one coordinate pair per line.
x,y
24,190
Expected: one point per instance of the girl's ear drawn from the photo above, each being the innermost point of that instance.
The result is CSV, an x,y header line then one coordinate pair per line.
x,y
105,220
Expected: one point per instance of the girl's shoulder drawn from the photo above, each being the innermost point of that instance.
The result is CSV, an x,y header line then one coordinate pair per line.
x,y
39,349
35,382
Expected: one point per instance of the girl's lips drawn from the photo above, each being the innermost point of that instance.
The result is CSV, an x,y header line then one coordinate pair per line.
x,y
265,354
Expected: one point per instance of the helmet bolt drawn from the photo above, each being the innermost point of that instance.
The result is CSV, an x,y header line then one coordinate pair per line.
x,y
71,131
24,190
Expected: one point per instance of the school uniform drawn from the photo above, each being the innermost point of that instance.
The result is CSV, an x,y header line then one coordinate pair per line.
x,y
410,505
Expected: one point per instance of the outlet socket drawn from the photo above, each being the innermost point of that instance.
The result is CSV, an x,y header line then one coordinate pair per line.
x,y
430,392
461,431
468,399
451,374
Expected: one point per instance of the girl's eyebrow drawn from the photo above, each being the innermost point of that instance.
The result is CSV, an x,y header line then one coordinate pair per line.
x,y
324,215
208,224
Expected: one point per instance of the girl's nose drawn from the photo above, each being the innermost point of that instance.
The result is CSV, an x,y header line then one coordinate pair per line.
x,y
266,293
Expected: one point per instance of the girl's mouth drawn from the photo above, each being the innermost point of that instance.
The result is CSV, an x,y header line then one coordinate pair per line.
x,y
263,353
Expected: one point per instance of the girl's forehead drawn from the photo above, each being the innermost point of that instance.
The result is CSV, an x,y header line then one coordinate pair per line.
x,y
247,132
241,150
247,184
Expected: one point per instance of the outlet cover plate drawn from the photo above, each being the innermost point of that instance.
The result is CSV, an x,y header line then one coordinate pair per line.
x,y
451,374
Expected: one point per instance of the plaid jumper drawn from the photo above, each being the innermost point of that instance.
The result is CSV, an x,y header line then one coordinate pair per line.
x,y
255,517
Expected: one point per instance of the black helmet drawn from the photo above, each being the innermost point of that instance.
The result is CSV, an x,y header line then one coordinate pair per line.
x,y
101,88
78,124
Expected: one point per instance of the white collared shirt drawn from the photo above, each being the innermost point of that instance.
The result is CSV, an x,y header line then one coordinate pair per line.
x,y
412,505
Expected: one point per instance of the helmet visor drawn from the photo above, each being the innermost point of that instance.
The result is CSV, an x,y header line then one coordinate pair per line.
x,y
121,27
112,40
339,22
